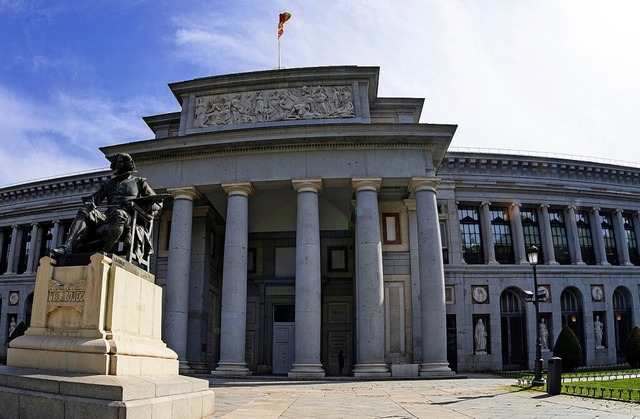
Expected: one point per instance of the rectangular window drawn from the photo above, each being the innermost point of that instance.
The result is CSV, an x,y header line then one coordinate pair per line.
x,y
252,255
585,238
531,230
501,230
391,228
632,240
443,239
609,238
559,237
338,259
470,235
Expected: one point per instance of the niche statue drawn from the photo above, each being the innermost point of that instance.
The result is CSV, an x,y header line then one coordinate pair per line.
x,y
127,197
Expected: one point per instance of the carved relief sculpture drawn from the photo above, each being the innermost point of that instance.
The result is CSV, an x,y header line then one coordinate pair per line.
x,y
274,105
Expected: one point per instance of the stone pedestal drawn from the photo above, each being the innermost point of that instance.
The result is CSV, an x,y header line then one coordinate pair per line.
x,y
95,343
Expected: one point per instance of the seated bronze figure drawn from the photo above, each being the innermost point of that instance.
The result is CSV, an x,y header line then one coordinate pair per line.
x,y
130,207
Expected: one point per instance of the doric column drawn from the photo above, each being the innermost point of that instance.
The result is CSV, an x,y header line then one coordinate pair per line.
x,y
233,318
176,298
434,322
574,240
14,249
621,238
308,324
518,234
487,233
32,260
369,281
546,237
57,234
598,239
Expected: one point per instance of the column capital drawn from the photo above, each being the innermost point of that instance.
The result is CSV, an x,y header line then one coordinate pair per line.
x,y
544,206
571,207
410,204
515,205
618,211
15,226
366,183
35,224
424,183
485,203
594,209
238,188
307,185
57,221
184,192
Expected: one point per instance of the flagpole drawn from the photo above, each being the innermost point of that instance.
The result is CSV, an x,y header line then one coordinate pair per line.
x,y
282,18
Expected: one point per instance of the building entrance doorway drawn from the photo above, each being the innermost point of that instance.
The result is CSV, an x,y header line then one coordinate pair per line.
x,y
283,338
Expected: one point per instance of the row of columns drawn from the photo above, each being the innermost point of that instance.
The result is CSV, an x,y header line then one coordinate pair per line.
x,y
547,238
35,243
370,325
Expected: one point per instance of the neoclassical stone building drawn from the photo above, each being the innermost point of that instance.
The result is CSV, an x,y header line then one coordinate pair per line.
x,y
311,218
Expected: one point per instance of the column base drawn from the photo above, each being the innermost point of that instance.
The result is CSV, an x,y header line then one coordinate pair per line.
x,y
231,369
371,371
306,371
436,369
184,368
199,367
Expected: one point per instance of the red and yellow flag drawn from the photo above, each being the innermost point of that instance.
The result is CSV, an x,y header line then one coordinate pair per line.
x,y
283,18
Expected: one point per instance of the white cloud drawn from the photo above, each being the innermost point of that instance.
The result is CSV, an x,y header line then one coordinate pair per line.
x,y
64,134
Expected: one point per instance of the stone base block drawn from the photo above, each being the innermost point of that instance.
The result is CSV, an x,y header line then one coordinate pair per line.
x,y
436,370
371,371
404,370
30,393
231,369
307,372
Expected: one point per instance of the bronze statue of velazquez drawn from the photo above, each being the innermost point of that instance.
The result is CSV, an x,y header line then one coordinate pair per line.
x,y
96,230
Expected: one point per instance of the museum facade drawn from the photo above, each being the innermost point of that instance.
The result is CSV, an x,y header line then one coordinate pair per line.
x,y
312,223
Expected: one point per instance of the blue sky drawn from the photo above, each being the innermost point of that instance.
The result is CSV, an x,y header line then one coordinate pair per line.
x,y
555,76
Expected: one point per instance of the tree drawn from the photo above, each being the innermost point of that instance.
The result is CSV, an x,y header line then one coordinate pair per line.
x,y
633,348
568,348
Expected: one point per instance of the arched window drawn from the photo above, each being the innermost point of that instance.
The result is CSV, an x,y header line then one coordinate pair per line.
x,y
622,309
513,329
572,313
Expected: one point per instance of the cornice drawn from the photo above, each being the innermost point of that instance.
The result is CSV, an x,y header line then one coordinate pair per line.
x,y
52,189
526,169
432,137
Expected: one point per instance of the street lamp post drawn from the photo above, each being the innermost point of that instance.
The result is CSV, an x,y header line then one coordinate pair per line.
x,y
532,257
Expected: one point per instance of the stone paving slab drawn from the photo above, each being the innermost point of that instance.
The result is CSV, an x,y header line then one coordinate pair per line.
x,y
477,396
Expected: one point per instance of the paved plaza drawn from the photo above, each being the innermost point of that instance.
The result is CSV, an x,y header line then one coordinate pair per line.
x,y
477,396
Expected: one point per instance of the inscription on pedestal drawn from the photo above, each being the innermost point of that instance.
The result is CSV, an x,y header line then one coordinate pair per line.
x,y
66,295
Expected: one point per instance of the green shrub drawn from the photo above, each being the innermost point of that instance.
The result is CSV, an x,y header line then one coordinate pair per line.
x,y
568,348
633,348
